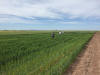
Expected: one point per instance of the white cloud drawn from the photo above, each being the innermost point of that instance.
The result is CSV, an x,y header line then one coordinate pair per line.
x,y
70,22
52,9
4,19
16,7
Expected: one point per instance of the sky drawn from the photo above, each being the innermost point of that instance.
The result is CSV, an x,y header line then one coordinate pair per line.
x,y
49,14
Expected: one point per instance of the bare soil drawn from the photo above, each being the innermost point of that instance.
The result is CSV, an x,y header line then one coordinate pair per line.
x,y
88,62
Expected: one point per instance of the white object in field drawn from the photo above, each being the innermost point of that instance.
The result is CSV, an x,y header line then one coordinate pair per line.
x,y
60,33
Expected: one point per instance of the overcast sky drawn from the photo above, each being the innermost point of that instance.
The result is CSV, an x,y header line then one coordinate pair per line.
x,y
50,14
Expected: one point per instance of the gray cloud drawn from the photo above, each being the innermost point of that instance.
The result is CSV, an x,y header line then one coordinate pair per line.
x,y
52,9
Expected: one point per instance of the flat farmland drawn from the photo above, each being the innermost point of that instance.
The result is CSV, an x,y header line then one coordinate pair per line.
x,y
37,53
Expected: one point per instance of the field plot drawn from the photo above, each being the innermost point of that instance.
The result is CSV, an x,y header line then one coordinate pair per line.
x,y
35,53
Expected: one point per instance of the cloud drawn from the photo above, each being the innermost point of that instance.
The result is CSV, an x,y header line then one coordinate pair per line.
x,y
26,9
51,8
49,11
70,22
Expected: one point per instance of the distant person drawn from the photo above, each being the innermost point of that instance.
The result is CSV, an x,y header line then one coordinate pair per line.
x,y
53,35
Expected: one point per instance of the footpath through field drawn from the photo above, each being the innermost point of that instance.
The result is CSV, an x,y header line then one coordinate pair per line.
x,y
88,62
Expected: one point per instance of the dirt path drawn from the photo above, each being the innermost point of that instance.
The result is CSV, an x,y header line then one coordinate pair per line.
x,y
88,62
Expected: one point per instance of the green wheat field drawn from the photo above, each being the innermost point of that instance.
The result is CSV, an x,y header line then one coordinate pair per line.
x,y
37,53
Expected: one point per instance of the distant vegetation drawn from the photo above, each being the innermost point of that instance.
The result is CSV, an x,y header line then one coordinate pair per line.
x,y
36,53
